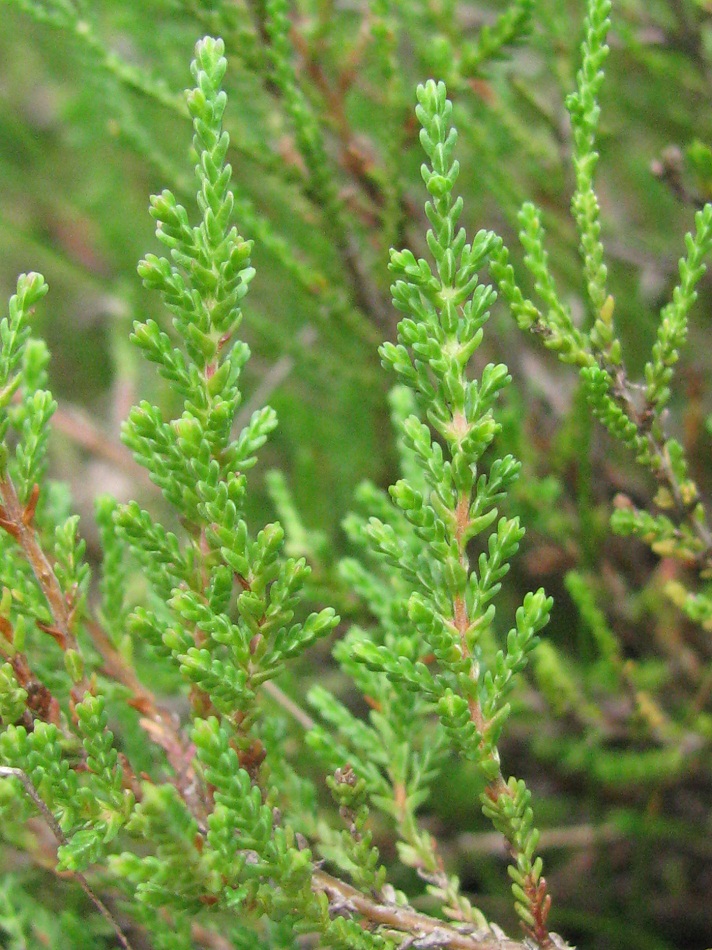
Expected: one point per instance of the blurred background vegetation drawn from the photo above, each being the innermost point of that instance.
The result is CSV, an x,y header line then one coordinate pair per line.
x,y
92,121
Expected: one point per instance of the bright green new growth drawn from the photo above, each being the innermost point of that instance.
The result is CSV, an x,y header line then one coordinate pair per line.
x,y
206,829
448,499
612,398
225,652
196,460
220,605
22,363
584,111
634,415
672,332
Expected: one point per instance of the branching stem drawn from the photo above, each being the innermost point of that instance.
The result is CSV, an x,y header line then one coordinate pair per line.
x,y
428,931
17,519
53,825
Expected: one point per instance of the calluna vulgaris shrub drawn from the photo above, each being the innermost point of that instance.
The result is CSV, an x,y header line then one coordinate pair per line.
x,y
181,764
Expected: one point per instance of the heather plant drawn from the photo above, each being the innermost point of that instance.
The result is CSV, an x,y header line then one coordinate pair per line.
x,y
634,413
173,740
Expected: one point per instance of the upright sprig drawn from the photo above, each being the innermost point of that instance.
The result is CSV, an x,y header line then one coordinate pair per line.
x,y
64,766
585,112
635,415
449,503
195,459
223,602
19,363
555,324
672,330
632,413
51,596
510,28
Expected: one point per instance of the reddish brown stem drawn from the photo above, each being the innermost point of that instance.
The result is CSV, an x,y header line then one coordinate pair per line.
x,y
406,921
17,520
161,726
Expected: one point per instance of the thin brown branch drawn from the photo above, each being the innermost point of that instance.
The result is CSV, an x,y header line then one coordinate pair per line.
x,y
428,931
160,725
75,424
208,938
272,379
576,836
686,505
366,293
295,711
24,533
17,520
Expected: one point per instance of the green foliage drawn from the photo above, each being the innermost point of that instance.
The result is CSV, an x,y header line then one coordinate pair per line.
x,y
14,333
156,655
584,110
672,332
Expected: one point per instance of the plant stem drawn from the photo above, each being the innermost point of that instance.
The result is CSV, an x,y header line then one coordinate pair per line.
x,y
429,932
17,519
53,825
